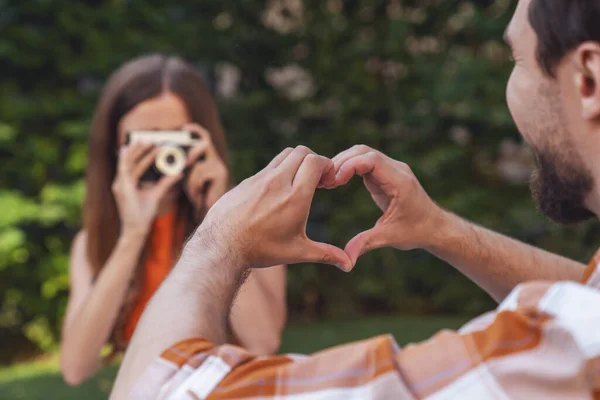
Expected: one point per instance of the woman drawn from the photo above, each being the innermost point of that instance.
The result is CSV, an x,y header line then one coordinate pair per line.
x,y
133,231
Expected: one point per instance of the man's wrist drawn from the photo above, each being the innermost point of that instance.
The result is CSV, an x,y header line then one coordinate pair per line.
x,y
208,246
444,226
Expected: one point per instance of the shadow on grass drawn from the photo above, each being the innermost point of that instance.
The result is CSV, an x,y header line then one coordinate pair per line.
x,y
298,338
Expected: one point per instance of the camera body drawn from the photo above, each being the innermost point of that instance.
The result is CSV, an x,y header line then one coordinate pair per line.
x,y
173,147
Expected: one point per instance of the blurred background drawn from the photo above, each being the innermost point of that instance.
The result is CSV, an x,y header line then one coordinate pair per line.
x,y
421,80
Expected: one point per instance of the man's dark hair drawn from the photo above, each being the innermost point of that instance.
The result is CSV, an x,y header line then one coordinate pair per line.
x,y
562,25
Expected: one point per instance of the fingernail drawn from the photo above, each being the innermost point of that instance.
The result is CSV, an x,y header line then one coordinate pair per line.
x,y
342,267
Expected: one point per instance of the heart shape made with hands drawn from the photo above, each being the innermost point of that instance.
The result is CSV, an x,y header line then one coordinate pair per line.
x,y
263,219
409,215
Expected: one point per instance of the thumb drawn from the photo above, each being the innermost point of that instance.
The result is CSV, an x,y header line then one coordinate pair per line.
x,y
327,254
364,242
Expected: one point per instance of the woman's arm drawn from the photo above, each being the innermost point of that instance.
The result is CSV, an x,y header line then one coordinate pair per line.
x,y
259,311
93,307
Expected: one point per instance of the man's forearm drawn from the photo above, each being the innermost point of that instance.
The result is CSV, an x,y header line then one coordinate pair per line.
x,y
495,262
194,301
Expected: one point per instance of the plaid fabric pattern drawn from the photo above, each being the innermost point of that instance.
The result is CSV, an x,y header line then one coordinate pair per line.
x,y
542,342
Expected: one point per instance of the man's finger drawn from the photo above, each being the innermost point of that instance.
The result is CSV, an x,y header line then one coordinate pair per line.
x,y
351,152
364,242
279,158
289,167
324,253
342,154
144,163
314,171
372,163
358,165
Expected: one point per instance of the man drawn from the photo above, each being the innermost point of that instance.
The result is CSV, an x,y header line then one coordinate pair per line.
x,y
542,342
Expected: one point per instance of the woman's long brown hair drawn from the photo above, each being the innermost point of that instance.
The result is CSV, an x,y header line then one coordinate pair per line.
x,y
137,81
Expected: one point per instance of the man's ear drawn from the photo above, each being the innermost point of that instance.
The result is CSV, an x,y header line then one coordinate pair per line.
x,y
587,78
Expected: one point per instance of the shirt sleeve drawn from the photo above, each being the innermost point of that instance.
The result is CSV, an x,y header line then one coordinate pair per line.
x,y
542,342
591,275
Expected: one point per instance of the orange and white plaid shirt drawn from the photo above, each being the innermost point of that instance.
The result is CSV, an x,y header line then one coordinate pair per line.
x,y
542,342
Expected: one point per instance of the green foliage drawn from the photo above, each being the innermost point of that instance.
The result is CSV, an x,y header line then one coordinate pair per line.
x,y
421,80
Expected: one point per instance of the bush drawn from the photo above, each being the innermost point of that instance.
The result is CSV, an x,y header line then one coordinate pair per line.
x,y
422,80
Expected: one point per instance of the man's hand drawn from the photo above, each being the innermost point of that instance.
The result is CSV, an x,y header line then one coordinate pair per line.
x,y
263,220
410,218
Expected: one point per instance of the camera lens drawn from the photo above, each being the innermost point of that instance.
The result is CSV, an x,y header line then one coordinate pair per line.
x,y
170,160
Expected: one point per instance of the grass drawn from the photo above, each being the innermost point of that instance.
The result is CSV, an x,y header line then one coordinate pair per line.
x,y
41,380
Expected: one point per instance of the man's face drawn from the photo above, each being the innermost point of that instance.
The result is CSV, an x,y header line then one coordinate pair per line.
x,y
547,117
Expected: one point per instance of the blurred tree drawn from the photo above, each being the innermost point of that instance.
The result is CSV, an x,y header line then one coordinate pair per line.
x,y
421,80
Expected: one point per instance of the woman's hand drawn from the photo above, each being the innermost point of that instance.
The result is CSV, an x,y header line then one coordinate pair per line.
x,y
208,179
137,203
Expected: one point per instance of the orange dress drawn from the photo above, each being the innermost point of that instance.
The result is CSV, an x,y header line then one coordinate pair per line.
x,y
158,264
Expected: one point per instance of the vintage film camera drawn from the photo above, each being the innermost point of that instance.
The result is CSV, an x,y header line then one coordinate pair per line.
x,y
173,147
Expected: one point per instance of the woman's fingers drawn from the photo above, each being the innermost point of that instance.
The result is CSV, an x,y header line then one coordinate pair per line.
x,y
199,152
199,130
207,181
217,187
164,184
130,154
144,163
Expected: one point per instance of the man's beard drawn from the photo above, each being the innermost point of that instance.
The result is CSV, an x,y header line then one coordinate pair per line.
x,y
560,182
559,189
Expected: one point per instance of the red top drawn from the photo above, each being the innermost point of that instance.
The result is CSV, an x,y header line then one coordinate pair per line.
x,y
158,265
